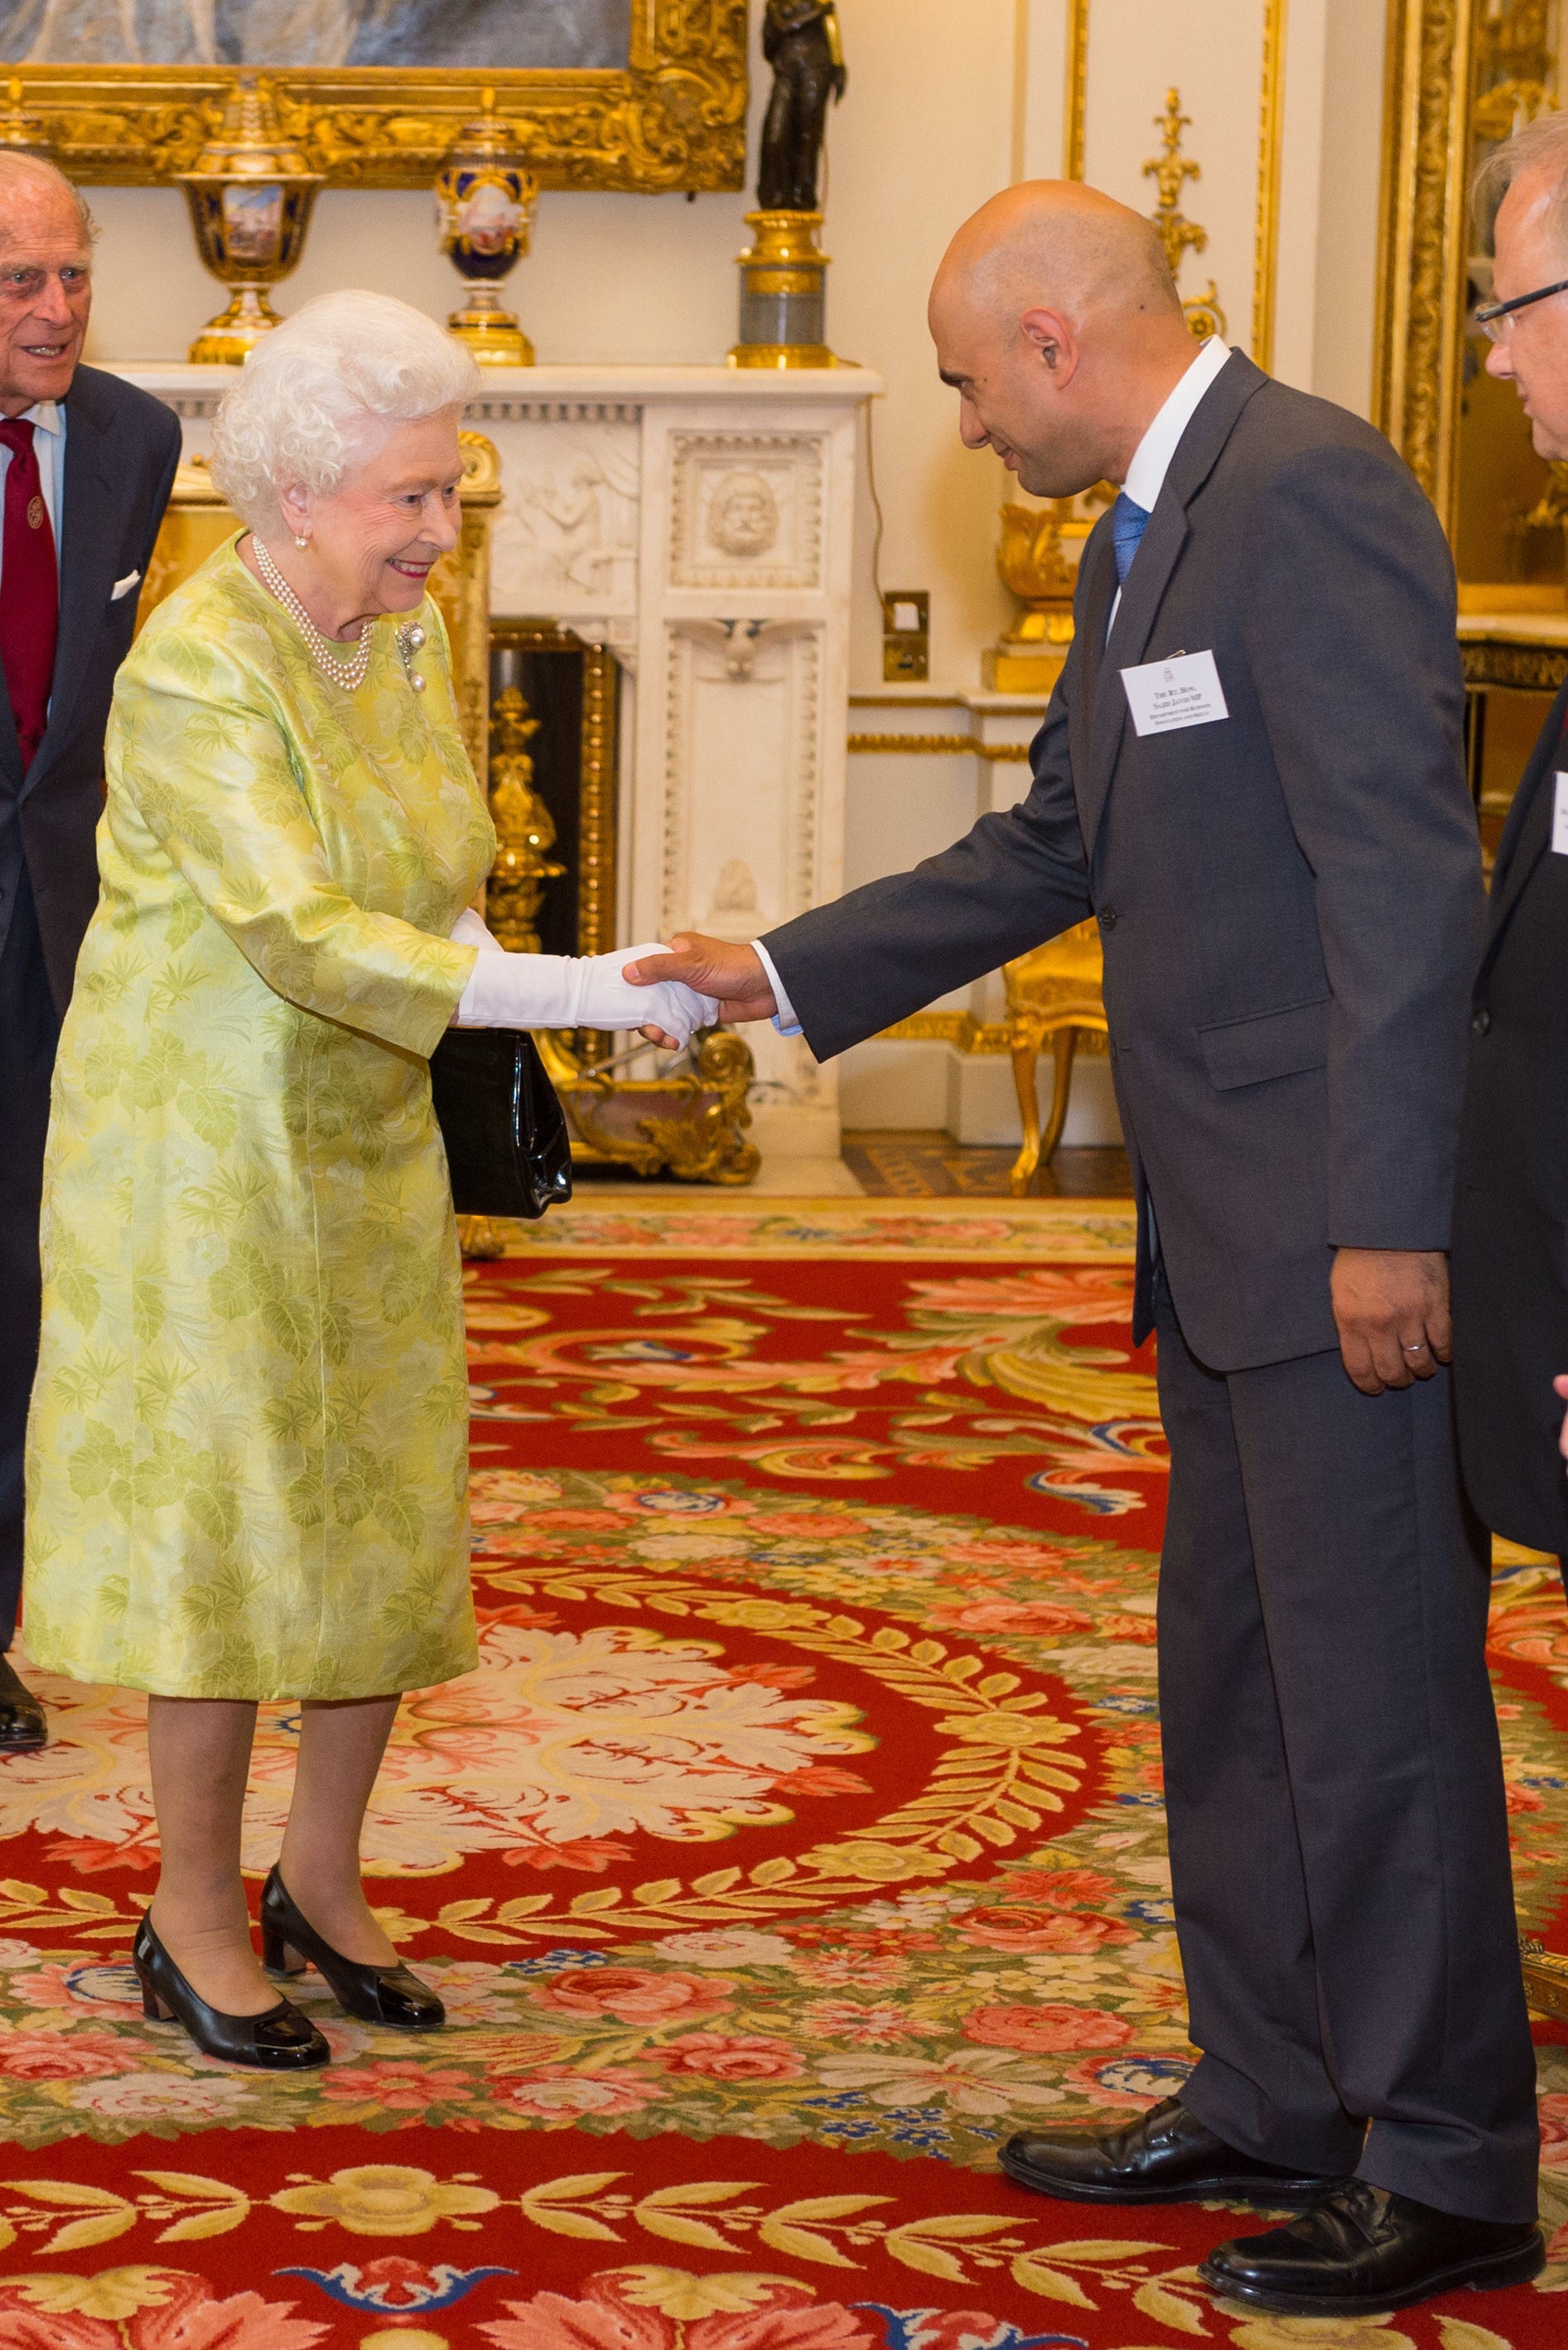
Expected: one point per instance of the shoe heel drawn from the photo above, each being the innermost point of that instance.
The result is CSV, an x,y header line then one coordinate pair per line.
x,y
152,2007
279,1957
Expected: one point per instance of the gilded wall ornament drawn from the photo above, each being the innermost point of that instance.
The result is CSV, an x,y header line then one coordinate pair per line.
x,y
1170,170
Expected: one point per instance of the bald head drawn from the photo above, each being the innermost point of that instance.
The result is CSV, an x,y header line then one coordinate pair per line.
x,y
1056,317
1062,245
45,281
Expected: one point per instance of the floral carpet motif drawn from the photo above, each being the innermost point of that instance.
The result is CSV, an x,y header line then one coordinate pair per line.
x,y
799,1837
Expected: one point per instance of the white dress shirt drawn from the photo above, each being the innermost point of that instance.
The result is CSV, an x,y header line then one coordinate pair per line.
x,y
1144,480
49,447
1151,458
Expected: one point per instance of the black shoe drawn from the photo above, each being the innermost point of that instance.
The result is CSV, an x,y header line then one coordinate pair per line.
x,y
1166,2156
23,1729
1363,2252
280,2040
389,1995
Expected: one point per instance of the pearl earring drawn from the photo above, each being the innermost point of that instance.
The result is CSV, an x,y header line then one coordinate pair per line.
x,y
300,542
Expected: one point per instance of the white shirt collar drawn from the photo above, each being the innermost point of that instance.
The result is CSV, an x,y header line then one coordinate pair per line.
x,y
1151,460
46,414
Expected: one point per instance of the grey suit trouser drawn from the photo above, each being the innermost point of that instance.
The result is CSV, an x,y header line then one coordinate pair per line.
x,y
1338,1838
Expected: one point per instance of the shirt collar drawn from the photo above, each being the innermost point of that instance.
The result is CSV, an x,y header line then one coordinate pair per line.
x,y
1151,460
46,414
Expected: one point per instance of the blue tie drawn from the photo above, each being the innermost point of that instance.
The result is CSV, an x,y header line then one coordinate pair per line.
x,y
1128,523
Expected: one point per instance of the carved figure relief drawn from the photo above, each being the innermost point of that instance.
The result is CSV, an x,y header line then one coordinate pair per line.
x,y
565,539
746,510
744,516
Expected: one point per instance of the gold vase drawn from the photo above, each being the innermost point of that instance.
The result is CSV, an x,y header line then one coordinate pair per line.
x,y
484,202
1035,562
250,195
784,295
524,829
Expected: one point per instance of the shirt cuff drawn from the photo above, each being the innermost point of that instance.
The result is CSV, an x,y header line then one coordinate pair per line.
x,y
785,1020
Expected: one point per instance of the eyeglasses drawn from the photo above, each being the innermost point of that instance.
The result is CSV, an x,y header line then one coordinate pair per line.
x,y
1497,319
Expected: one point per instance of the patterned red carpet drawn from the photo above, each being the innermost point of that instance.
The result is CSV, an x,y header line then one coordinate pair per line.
x,y
800,1836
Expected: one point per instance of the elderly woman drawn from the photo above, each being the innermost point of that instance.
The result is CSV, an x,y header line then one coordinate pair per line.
x,y
247,1449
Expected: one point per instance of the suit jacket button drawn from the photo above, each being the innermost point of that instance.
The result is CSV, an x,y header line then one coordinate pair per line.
x,y
1106,918
1480,1024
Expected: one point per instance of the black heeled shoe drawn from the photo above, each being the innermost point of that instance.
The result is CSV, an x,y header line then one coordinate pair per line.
x,y
280,2040
388,1995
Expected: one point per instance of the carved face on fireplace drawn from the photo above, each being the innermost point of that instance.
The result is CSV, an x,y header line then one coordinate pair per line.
x,y
743,519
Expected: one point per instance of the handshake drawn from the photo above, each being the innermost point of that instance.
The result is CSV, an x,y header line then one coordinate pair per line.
x,y
668,992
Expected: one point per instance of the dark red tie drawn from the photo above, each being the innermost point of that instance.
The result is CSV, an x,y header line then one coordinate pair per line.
x,y
29,589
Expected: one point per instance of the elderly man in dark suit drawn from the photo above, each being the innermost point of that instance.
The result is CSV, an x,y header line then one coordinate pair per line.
x,y
1250,774
1511,1221
87,464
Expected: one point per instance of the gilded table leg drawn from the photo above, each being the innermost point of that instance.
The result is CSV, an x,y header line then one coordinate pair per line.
x,y
1064,1045
1025,1056
477,1236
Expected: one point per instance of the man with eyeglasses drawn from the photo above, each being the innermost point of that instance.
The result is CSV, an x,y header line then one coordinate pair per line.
x,y
1509,1258
87,465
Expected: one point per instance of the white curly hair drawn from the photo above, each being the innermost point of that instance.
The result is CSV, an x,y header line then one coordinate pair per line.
x,y
297,415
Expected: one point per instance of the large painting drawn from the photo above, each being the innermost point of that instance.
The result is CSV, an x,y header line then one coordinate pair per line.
x,y
644,94
494,35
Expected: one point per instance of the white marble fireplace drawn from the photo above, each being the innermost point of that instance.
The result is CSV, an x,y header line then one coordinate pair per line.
x,y
697,521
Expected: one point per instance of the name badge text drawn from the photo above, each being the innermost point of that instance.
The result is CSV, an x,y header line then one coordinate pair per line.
x,y
1185,690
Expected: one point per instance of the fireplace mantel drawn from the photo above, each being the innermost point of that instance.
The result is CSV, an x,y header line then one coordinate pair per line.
x,y
697,520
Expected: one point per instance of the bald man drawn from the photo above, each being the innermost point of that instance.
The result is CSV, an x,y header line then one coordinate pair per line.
x,y
87,463
1250,775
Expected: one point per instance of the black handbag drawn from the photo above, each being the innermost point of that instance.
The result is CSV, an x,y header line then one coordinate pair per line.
x,y
507,1142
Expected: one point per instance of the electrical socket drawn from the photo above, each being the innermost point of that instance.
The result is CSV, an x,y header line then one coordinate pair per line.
x,y
906,636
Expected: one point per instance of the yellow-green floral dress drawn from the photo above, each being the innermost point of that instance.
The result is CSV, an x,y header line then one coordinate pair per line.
x,y
247,1453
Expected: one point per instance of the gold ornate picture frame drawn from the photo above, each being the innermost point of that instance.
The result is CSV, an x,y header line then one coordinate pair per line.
x,y
675,118
1422,244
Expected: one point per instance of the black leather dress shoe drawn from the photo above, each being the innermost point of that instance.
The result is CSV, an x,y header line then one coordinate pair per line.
x,y
1363,2251
391,1995
279,2040
22,1725
1166,2156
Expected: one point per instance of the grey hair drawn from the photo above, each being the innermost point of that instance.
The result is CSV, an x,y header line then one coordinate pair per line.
x,y
295,416
16,169
1541,145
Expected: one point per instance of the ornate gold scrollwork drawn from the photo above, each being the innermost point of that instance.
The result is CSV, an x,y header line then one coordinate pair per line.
x,y
675,118
1170,170
691,1125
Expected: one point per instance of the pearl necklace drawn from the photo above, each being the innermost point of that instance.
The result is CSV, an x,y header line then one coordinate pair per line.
x,y
349,674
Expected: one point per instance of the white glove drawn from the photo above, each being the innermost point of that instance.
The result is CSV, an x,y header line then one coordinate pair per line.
x,y
532,991
468,931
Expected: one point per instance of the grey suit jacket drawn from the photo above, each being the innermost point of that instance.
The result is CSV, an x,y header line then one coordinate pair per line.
x,y
1290,899
123,447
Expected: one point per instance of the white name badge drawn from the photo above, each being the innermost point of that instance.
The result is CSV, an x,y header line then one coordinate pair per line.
x,y
1560,815
1182,691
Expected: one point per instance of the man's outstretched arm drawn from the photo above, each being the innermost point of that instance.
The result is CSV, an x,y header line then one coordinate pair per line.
x,y
886,949
736,973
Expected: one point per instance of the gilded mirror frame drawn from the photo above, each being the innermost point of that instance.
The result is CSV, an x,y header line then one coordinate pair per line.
x,y
676,119
1423,239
